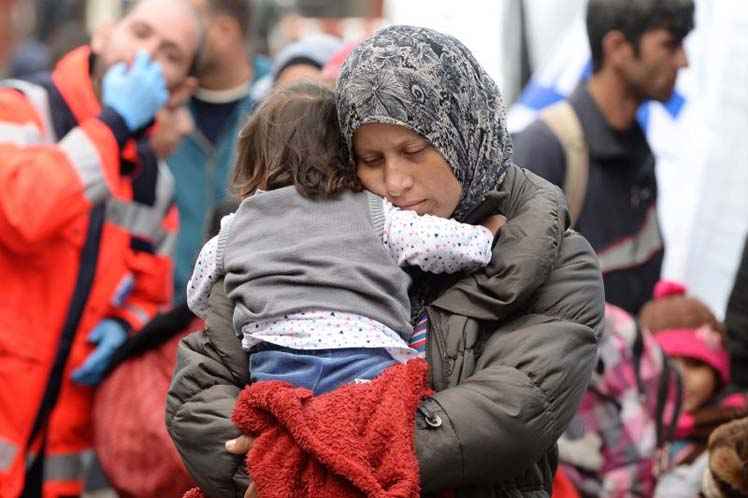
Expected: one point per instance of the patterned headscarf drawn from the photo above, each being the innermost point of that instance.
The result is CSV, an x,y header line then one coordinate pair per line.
x,y
430,83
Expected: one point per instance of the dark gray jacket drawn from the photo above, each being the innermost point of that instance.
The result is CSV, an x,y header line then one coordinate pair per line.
x,y
511,351
621,180
736,322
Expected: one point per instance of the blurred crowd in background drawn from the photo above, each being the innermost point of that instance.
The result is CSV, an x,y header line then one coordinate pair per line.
x,y
34,34
638,432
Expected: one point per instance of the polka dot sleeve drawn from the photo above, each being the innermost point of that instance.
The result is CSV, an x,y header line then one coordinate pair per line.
x,y
204,275
205,272
435,244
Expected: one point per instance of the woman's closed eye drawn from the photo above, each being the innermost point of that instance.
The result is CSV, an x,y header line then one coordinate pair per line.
x,y
414,151
369,161
417,151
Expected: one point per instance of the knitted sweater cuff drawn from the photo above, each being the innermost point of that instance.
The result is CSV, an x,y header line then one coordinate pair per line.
x,y
223,236
376,212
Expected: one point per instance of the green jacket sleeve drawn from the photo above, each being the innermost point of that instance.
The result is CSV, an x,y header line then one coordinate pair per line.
x,y
525,254
527,383
211,370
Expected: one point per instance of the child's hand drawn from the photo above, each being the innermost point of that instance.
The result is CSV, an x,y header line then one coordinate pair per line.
x,y
240,446
494,223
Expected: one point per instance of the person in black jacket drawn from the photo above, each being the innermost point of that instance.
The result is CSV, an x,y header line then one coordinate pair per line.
x,y
637,51
736,322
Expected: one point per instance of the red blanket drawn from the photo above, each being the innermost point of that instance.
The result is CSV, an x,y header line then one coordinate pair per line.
x,y
355,441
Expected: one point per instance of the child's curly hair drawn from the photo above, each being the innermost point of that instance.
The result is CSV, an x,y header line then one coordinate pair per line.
x,y
294,138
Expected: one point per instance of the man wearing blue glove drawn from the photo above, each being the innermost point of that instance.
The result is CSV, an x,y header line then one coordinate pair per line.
x,y
87,222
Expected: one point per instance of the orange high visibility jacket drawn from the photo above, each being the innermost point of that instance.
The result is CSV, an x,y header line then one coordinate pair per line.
x,y
86,230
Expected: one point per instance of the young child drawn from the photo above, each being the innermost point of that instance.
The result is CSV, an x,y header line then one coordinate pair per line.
x,y
312,262
692,337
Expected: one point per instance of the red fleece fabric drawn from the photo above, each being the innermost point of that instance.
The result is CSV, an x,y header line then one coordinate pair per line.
x,y
354,441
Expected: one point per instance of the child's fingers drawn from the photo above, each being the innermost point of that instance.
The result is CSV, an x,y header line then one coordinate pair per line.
x,y
239,445
251,491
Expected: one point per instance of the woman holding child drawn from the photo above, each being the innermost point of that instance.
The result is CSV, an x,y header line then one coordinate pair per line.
x,y
510,347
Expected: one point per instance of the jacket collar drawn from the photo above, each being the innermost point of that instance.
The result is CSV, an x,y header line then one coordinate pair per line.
x,y
524,255
604,141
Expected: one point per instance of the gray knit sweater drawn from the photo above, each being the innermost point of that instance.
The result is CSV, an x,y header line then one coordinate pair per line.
x,y
316,255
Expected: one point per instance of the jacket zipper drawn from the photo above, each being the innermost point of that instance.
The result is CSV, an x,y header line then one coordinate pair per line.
x,y
433,421
441,345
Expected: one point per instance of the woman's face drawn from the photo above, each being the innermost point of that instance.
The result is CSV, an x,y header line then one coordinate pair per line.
x,y
403,167
699,382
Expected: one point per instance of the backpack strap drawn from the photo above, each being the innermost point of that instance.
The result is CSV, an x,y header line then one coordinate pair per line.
x,y
667,433
664,432
637,349
564,123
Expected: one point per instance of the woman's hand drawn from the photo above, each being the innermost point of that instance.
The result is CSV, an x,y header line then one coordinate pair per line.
x,y
240,446
494,223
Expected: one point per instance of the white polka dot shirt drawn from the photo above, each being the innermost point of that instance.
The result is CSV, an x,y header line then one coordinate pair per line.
x,y
434,244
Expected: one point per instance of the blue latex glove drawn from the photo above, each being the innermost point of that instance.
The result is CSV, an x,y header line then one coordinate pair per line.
x,y
137,92
108,335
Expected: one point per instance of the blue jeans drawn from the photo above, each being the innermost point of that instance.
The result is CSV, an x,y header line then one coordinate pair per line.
x,y
319,370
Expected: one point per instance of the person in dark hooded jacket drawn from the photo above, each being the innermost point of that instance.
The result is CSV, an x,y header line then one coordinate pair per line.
x,y
511,347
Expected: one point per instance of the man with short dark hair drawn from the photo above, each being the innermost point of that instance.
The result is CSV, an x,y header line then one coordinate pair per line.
x,y
86,230
202,162
593,147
